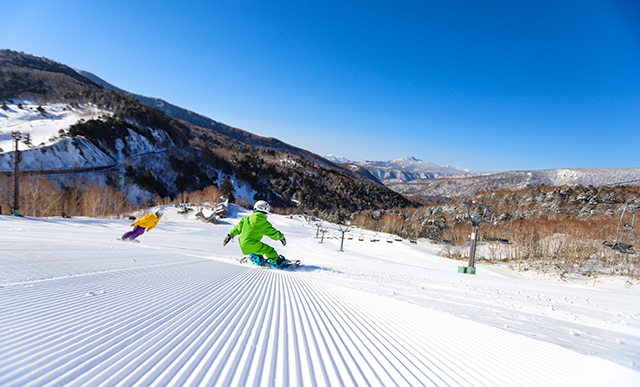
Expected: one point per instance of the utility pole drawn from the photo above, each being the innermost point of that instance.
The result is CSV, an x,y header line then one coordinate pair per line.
x,y
16,136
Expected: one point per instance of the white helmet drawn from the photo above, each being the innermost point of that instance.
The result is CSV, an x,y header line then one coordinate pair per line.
x,y
262,206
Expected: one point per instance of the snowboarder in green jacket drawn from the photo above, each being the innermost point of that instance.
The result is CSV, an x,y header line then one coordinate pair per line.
x,y
251,230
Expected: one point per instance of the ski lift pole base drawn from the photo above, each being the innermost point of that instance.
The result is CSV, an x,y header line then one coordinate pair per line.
x,y
466,270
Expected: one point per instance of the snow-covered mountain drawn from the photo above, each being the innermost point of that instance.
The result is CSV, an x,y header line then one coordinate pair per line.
x,y
147,147
47,146
402,169
464,186
409,168
418,179
43,123
49,149
337,159
208,123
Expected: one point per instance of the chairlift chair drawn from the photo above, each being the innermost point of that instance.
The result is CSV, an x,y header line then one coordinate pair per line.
x,y
448,236
500,236
624,240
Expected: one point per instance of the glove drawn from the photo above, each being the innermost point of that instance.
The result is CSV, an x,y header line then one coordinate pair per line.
x,y
227,239
284,241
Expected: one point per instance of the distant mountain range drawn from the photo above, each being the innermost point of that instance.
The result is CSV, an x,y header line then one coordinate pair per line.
x,y
409,168
446,188
403,169
417,179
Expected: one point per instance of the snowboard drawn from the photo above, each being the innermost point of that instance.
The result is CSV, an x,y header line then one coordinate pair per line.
x,y
290,265
128,240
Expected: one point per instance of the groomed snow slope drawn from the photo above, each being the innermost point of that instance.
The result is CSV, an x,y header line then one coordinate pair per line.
x,y
81,308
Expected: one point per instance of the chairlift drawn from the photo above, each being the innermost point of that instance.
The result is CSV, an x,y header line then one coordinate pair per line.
x,y
500,236
476,217
361,237
448,236
375,238
625,238
390,239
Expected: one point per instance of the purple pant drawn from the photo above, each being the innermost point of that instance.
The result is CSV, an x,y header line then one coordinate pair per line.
x,y
133,234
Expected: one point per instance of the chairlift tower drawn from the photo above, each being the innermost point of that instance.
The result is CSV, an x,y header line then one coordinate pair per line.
x,y
318,228
624,240
16,137
322,232
475,219
343,231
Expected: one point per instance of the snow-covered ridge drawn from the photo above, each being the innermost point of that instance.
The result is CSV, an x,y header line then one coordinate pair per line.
x,y
456,187
337,159
47,150
67,154
41,122
403,169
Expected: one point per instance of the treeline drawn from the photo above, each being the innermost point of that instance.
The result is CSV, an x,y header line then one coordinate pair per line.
x,y
547,229
562,247
199,198
39,197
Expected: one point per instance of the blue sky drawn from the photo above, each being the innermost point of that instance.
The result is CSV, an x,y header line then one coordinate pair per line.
x,y
483,85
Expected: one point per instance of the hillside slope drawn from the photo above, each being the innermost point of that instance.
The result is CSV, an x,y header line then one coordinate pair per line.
x,y
159,155
229,131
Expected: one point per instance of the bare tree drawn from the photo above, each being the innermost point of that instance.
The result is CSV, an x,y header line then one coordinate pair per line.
x,y
90,200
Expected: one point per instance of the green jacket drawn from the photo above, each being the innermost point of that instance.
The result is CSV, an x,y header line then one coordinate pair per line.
x,y
251,230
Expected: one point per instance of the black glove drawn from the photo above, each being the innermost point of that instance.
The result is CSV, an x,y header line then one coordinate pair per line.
x,y
227,239
284,241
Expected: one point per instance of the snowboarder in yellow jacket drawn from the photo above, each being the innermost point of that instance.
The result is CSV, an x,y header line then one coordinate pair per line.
x,y
251,230
147,222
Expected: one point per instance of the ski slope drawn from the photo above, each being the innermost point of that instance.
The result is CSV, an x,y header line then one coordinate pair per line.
x,y
80,308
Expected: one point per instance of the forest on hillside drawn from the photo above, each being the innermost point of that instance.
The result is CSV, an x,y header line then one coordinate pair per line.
x,y
559,230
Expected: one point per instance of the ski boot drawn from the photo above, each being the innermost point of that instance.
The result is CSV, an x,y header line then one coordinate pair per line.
x,y
278,263
257,259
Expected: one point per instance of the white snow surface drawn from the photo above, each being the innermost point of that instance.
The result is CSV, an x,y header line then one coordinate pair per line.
x,y
80,308
41,126
48,151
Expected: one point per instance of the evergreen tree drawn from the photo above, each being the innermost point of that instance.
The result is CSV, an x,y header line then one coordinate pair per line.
x,y
227,189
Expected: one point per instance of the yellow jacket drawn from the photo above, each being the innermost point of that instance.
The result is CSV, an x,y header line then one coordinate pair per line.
x,y
148,221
